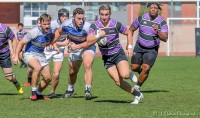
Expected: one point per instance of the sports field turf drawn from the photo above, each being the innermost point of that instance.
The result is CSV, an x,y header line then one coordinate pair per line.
x,y
172,90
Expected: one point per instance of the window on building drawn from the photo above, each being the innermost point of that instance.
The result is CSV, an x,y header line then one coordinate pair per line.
x,y
32,11
175,10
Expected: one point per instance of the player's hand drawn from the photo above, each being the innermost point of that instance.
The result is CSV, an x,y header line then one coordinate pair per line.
x,y
129,52
49,47
57,50
102,33
155,27
72,46
15,59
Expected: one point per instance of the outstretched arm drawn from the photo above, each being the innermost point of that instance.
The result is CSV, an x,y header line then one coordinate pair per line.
x,y
58,33
91,39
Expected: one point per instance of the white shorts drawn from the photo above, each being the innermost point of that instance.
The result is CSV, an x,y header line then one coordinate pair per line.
x,y
27,56
53,54
77,54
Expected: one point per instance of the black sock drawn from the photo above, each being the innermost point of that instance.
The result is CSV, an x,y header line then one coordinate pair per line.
x,y
16,82
136,93
29,79
139,83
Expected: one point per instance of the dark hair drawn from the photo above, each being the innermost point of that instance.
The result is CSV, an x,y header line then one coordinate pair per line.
x,y
45,16
78,11
63,12
105,7
20,24
154,3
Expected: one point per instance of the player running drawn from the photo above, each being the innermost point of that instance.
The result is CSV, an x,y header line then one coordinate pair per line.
x,y
5,62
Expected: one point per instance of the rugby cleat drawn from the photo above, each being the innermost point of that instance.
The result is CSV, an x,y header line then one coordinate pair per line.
x,y
88,95
137,99
19,88
27,84
52,95
67,94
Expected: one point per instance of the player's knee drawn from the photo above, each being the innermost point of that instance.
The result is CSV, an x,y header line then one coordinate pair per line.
x,y
9,76
87,66
47,79
56,74
37,69
135,67
125,75
146,69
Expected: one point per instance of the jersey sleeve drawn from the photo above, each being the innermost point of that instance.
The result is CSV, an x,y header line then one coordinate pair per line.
x,y
164,27
121,28
136,22
93,29
31,34
87,27
64,25
9,33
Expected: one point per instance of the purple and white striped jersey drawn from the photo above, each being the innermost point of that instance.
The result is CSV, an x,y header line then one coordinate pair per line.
x,y
112,35
5,34
20,34
147,35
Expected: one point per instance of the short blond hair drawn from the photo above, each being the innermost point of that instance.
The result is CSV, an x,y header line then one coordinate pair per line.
x,y
44,17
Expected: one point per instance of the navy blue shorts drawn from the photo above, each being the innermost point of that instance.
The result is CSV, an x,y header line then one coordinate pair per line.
x,y
143,55
5,61
114,59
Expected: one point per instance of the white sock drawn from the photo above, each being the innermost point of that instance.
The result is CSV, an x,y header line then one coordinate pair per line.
x,y
87,87
34,89
70,87
133,77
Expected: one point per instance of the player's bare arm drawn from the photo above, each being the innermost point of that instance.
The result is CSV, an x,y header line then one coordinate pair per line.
x,y
91,39
64,43
19,47
163,36
14,44
58,33
129,46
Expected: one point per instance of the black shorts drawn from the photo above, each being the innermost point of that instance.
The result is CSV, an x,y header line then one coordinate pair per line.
x,y
143,55
114,59
5,61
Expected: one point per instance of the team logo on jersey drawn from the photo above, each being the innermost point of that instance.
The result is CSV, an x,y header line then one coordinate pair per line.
x,y
145,22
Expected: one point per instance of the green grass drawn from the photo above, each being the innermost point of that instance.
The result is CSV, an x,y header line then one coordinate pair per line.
x,y
172,90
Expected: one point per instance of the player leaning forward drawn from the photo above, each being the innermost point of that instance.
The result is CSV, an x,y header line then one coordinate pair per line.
x,y
113,55
36,40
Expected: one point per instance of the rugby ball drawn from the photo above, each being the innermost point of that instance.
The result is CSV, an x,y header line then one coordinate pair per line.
x,y
102,40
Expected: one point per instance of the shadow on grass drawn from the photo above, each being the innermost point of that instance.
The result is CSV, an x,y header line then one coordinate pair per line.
x,y
113,101
59,96
154,91
9,94
93,97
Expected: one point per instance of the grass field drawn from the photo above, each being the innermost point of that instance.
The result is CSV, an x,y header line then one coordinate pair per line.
x,y
172,90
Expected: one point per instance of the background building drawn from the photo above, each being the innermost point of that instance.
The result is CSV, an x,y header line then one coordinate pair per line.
x,y
181,35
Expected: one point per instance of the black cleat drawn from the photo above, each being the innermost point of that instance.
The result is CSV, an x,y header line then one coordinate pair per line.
x,y
88,95
67,94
